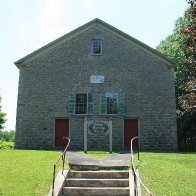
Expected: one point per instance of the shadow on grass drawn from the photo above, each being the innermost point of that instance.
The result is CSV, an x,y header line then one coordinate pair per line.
x,y
165,151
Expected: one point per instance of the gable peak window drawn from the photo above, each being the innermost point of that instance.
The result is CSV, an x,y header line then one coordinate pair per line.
x,y
97,46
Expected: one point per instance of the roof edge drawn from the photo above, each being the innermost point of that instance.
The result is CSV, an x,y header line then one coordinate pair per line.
x,y
170,62
25,58
139,43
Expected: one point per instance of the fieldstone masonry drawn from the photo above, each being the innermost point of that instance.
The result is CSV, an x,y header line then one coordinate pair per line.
x,y
65,65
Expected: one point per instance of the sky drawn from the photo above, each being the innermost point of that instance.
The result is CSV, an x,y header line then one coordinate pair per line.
x,y
26,25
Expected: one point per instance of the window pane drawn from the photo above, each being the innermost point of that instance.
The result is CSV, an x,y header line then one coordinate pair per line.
x,y
96,50
81,103
97,46
112,103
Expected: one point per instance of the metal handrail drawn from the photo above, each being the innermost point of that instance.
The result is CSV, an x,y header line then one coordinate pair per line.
x,y
63,164
134,170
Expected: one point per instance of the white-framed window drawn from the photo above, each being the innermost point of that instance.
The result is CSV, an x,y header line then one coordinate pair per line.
x,y
96,46
112,103
80,103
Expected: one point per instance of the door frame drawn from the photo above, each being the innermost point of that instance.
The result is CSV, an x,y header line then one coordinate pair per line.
x,y
138,128
54,127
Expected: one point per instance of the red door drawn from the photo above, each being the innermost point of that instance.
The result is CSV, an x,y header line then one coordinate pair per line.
x,y
130,131
61,130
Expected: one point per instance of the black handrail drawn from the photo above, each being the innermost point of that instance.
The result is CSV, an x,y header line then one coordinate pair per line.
x,y
135,176
63,159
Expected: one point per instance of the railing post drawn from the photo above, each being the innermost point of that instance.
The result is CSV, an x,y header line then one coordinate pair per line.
x,y
138,149
53,180
63,162
62,144
63,159
85,134
136,177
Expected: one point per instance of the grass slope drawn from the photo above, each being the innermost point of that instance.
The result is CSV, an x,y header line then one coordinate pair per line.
x,y
169,173
26,172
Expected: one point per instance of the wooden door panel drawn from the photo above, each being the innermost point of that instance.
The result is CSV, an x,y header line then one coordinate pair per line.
x,y
130,131
61,130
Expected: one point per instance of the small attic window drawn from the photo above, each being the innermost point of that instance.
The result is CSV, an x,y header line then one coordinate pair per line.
x,y
96,46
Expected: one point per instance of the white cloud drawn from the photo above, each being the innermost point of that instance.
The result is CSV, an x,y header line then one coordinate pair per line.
x,y
51,19
166,3
90,8
53,34
51,12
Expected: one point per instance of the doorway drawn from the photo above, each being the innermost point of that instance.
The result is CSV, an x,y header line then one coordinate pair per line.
x,y
61,130
130,131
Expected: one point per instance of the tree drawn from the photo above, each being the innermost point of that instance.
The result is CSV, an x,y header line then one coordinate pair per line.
x,y
2,116
172,47
188,99
180,46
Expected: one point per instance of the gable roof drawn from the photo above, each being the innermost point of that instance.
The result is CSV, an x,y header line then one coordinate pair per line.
x,y
83,28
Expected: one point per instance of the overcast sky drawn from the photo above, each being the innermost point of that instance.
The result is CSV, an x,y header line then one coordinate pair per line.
x,y
26,25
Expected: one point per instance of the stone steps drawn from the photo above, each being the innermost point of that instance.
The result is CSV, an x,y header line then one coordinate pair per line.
x,y
99,174
78,182
95,183
96,191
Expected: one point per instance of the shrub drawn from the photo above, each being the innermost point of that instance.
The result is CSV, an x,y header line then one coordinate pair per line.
x,y
8,136
6,145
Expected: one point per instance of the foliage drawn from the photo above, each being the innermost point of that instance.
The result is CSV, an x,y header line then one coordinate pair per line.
x,y
172,47
6,145
179,47
26,172
167,173
187,130
7,135
188,99
2,116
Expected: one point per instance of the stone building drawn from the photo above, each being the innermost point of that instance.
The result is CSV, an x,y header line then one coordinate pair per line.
x,y
98,86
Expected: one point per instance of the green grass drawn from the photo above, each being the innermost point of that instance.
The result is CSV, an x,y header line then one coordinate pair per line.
x,y
167,173
29,172
26,172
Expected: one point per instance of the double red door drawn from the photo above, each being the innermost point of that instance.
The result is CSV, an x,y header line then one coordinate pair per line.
x,y
61,130
130,131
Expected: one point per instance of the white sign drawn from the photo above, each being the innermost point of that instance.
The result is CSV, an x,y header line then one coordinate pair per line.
x,y
96,79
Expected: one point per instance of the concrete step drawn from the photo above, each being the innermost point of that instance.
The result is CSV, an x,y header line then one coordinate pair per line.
x,y
84,166
85,182
96,191
99,174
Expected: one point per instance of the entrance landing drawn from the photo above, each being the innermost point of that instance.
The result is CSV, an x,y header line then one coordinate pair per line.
x,y
117,161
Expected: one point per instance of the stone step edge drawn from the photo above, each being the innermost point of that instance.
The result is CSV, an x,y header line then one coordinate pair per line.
x,y
94,188
99,179
99,173
97,167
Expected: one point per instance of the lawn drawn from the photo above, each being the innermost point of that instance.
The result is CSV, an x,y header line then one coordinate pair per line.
x,y
167,173
29,172
26,172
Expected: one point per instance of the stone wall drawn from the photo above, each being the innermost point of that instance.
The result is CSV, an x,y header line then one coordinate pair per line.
x,y
145,79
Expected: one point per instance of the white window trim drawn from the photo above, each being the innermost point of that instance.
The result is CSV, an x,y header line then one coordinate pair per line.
x,y
96,54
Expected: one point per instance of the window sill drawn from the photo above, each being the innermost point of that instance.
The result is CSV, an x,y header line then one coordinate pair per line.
x,y
96,54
